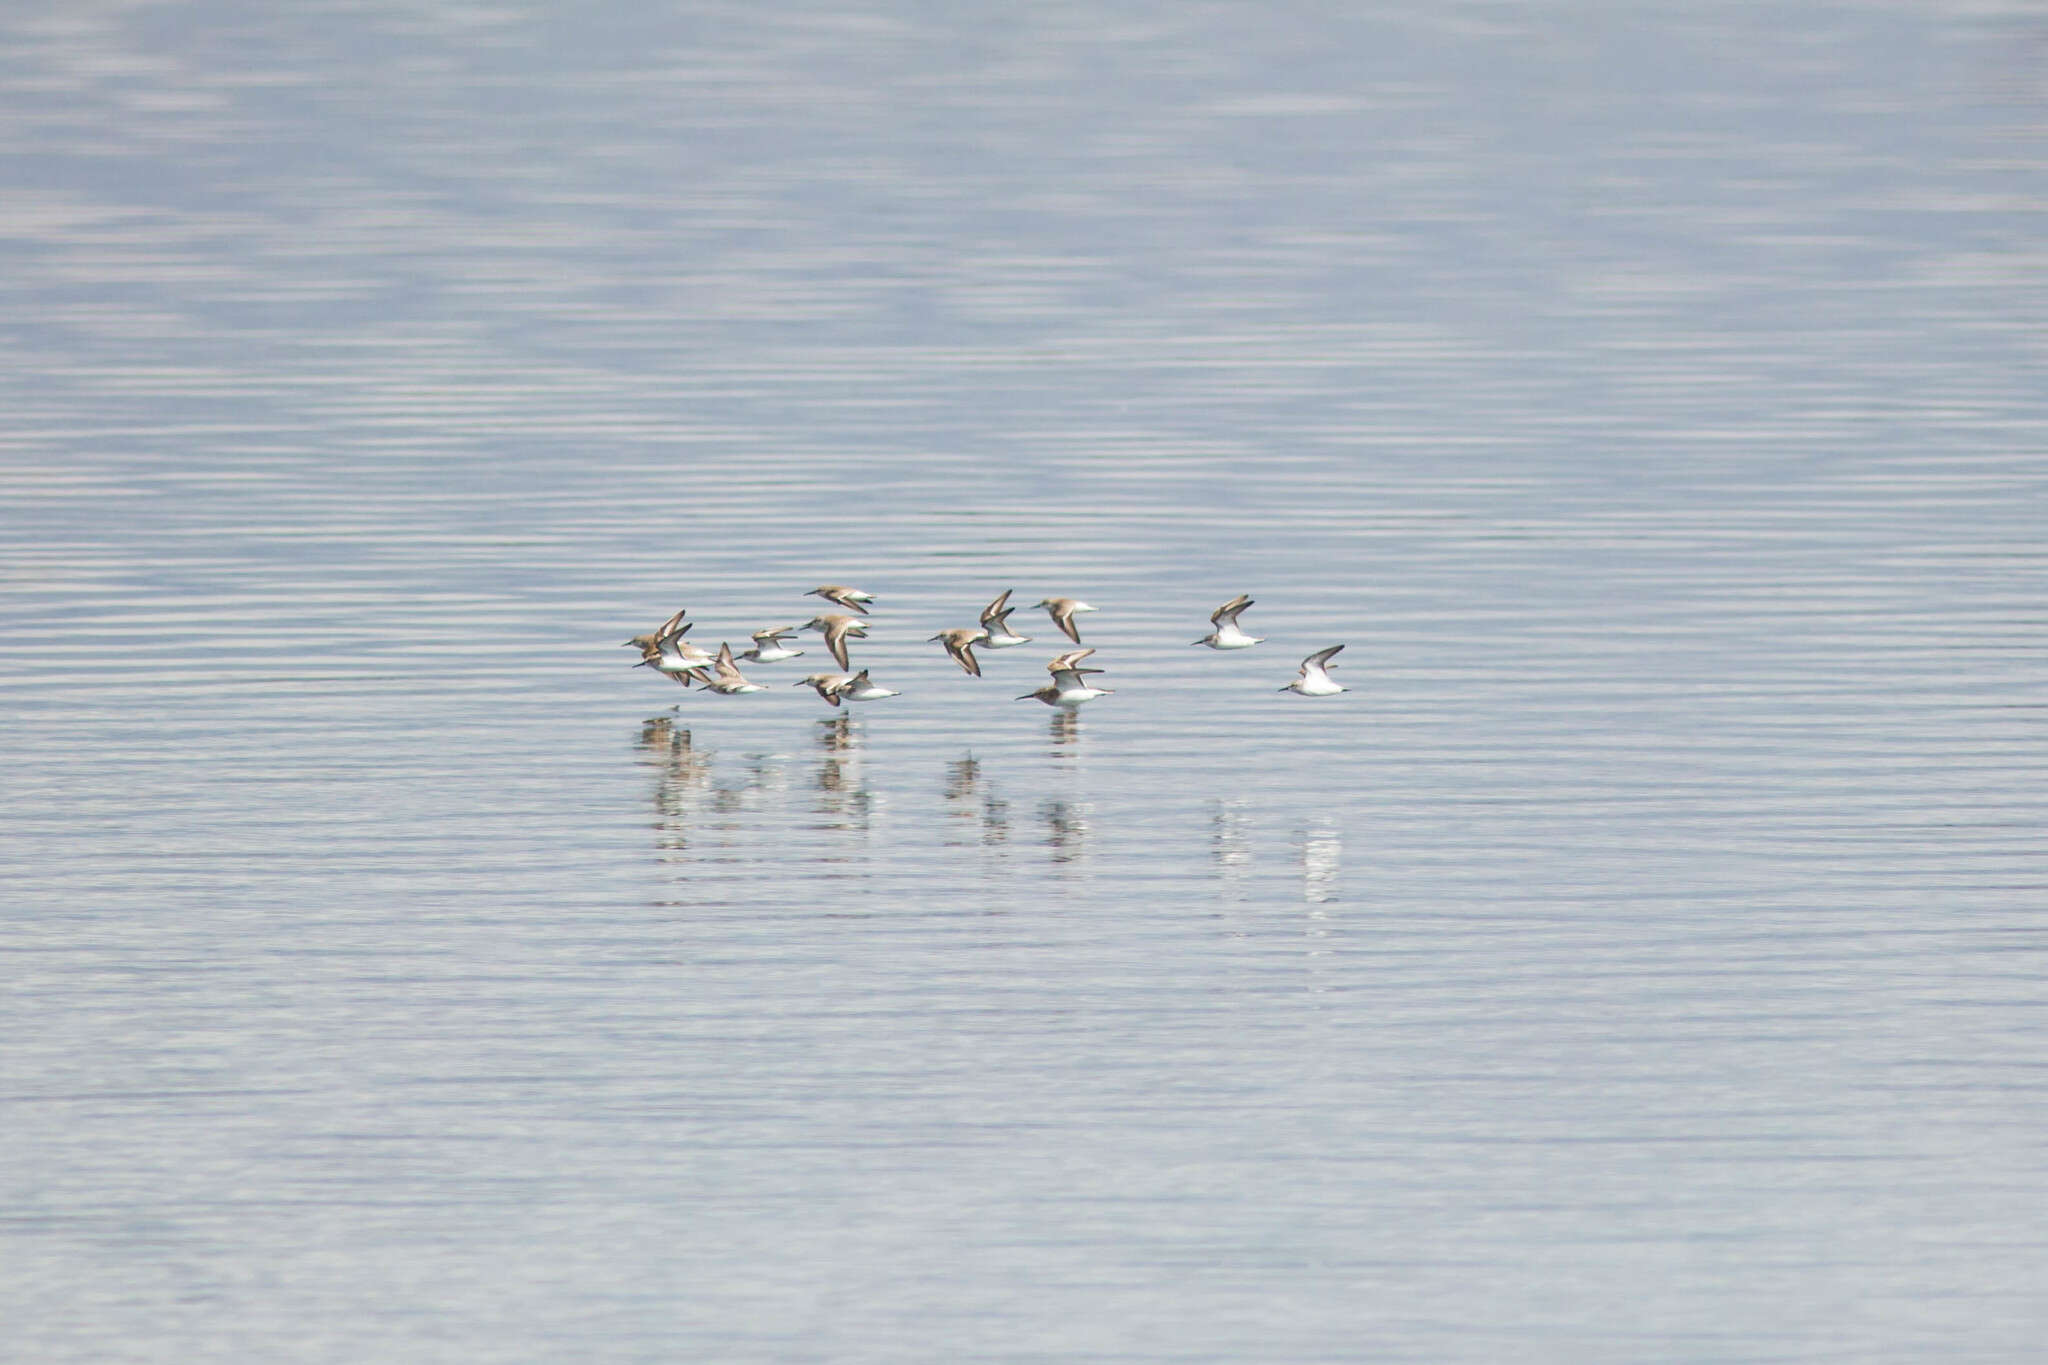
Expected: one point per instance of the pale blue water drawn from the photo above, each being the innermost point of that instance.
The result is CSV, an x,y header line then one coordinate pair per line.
x,y
1643,962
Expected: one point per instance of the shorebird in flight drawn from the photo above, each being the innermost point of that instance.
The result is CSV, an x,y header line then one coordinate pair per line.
x,y
673,626
1228,634
1315,679
1067,690
828,686
768,647
960,644
1063,610
672,654
725,676
853,599
860,687
995,620
835,627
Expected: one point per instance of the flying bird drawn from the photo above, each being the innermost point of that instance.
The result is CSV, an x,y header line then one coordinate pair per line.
x,y
672,654
835,628
995,619
960,644
853,599
768,647
1315,679
1067,690
1228,634
673,626
725,677
828,686
1063,610
860,687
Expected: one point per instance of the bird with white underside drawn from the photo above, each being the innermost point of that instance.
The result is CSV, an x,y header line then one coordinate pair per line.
x,y
995,620
1227,633
1063,610
1315,679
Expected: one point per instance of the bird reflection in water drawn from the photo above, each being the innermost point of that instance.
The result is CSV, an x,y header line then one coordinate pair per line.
x,y
1230,845
963,787
1321,853
682,776
1065,728
763,781
843,796
1066,829
968,798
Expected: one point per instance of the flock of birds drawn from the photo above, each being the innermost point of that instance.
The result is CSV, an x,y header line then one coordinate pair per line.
x,y
668,653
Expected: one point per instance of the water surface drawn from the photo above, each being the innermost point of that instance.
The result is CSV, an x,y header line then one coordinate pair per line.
x,y
1642,961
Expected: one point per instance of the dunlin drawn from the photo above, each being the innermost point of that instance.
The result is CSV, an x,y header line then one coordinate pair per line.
x,y
853,599
826,685
860,687
1067,690
1315,679
674,655
725,676
673,626
768,647
1228,635
835,628
1063,610
960,644
995,619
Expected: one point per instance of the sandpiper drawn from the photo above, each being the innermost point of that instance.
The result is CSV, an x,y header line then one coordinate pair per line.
x,y
835,628
960,644
1228,634
725,677
768,647
853,599
860,687
673,626
827,685
1067,690
1063,610
1315,679
995,620
674,655
1070,662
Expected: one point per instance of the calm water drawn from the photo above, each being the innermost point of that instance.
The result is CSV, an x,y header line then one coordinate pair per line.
x,y
1643,962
